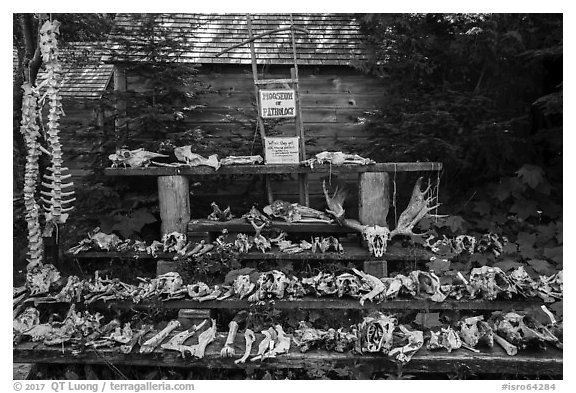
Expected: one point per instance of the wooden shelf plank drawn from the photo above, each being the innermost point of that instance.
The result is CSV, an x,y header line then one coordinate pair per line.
x,y
334,303
489,360
351,253
275,169
275,81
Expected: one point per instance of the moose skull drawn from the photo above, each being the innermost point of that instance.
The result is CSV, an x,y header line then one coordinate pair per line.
x,y
377,238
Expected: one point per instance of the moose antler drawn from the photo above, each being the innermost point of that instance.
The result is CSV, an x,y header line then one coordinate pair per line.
x,y
378,236
418,208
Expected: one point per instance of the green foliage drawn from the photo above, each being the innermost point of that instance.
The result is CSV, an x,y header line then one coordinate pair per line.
x,y
478,92
522,208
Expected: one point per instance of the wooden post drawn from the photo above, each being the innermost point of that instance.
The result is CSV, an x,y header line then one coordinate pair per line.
x,y
302,177
373,198
373,204
174,200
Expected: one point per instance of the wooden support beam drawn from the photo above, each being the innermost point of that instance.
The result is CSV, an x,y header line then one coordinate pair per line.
x,y
373,198
174,200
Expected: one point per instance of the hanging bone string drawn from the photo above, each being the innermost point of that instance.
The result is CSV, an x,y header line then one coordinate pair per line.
x,y
55,205
30,130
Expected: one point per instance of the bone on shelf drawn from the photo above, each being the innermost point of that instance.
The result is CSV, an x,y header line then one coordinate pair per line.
x,y
351,253
494,359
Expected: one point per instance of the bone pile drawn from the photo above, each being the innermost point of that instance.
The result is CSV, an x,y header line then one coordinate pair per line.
x,y
488,283
377,333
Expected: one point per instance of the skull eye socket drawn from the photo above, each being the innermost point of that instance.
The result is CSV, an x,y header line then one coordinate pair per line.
x,y
126,154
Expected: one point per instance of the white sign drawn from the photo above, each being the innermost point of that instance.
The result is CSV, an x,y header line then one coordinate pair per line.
x,y
282,150
277,103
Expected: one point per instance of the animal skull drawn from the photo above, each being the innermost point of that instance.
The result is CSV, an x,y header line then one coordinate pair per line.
x,y
184,154
170,283
326,284
173,242
348,284
522,329
475,330
133,158
376,332
273,283
104,241
490,281
242,285
295,288
444,338
243,243
377,238
414,340
307,337
427,285
198,290
393,286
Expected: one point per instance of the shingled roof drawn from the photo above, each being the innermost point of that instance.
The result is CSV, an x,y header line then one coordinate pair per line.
x,y
84,75
334,39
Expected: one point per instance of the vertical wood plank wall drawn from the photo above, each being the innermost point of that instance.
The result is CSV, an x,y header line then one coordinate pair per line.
x,y
334,102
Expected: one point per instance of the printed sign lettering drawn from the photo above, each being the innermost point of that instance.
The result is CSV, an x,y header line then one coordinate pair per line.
x,y
277,103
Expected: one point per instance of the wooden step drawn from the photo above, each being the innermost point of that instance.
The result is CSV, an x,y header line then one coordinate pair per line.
x,y
275,169
329,303
488,361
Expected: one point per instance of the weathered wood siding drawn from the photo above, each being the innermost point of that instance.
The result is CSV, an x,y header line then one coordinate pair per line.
x,y
81,131
334,101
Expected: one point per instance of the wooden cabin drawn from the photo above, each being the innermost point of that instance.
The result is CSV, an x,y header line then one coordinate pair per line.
x,y
85,81
335,97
